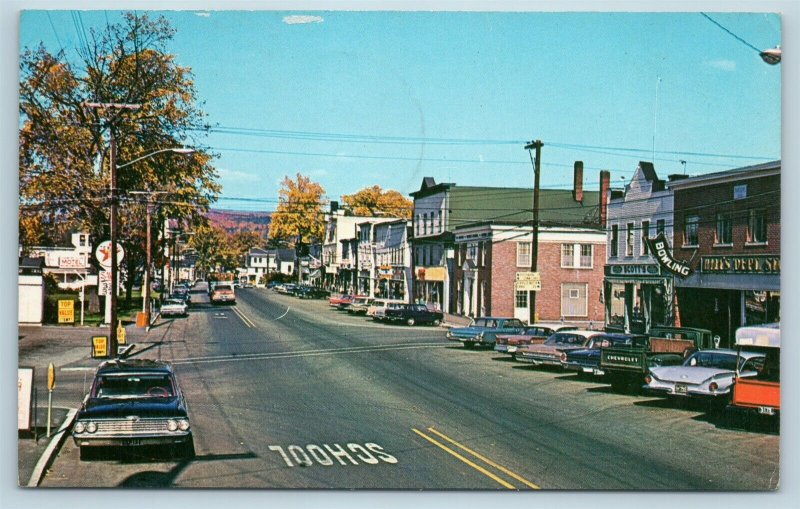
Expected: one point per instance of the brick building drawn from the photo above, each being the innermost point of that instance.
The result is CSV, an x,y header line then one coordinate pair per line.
x,y
570,263
728,224
488,255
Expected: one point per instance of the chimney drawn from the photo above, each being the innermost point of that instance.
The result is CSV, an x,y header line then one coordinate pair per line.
x,y
605,184
577,188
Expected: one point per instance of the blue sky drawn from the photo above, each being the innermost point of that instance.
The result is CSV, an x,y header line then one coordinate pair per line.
x,y
353,99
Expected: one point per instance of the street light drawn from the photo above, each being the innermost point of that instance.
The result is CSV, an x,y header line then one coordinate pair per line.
x,y
176,150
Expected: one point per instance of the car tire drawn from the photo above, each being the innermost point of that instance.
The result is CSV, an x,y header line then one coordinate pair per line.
x,y
410,322
436,322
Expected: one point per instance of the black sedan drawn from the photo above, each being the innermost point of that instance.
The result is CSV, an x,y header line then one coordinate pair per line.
x,y
134,402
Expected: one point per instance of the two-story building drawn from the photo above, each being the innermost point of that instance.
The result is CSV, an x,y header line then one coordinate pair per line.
x,y
728,226
260,263
638,293
384,259
489,256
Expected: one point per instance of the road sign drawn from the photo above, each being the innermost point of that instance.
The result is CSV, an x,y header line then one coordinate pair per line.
x,y
99,347
103,253
51,377
120,335
528,282
104,282
66,311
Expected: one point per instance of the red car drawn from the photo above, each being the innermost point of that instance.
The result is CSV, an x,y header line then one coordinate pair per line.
x,y
533,335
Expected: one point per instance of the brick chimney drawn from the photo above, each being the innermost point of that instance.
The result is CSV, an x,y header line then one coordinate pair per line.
x,y
605,184
577,187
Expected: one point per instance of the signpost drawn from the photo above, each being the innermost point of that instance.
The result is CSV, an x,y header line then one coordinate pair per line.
x,y
99,347
51,383
66,311
120,334
528,282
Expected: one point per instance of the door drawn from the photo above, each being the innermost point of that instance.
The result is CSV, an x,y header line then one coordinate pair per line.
x,y
521,309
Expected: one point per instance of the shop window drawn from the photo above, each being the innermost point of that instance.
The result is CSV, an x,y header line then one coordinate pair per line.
x,y
574,299
614,241
757,227
629,239
523,254
645,236
724,232
690,230
521,299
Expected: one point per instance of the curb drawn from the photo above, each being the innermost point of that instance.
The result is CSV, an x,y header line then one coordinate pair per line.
x,y
47,455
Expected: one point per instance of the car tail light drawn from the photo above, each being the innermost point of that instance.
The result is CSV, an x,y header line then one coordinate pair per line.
x,y
713,386
648,379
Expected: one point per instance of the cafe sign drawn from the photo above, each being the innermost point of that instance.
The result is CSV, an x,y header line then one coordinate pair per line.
x,y
740,264
659,248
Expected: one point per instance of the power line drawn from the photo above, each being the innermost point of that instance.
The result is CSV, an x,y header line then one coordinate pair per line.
x,y
709,18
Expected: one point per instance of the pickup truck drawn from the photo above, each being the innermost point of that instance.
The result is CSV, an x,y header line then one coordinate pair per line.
x,y
626,365
411,314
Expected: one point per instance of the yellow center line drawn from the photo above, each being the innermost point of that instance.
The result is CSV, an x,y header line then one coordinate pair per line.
x,y
465,460
486,460
241,315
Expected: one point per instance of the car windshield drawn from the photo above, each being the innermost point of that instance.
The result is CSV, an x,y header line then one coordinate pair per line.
x,y
173,302
133,386
484,322
717,360
565,339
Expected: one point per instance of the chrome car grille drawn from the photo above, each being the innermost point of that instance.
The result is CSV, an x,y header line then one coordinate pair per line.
x,y
132,426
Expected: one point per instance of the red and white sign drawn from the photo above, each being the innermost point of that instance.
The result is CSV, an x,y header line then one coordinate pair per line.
x,y
104,282
103,253
71,262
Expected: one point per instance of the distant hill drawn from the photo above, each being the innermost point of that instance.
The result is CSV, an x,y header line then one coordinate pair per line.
x,y
233,221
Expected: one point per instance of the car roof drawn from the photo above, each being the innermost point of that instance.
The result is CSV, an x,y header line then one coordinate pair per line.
x,y
585,333
762,335
119,366
728,351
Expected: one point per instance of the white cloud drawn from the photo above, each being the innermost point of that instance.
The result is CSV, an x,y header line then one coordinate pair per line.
x,y
236,175
724,65
203,14
302,20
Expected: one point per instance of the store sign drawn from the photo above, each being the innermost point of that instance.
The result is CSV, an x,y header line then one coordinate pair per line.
x,y
66,311
71,262
99,347
104,283
103,254
663,254
740,264
527,282
633,269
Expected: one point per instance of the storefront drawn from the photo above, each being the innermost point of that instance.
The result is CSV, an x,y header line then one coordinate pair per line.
x,y
430,285
731,291
637,297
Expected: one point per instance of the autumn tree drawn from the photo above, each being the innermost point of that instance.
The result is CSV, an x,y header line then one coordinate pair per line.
x,y
242,241
210,246
298,217
373,201
64,149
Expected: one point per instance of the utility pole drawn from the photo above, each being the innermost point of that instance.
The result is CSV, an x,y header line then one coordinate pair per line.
x,y
535,160
112,336
148,270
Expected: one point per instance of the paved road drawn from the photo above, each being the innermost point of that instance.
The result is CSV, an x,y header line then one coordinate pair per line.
x,y
285,393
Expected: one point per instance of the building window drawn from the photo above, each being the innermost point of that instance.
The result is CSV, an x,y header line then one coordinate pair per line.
x,y
574,299
757,227
425,224
523,254
521,299
724,234
660,226
440,221
629,239
472,252
587,252
645,236
567,255
740,192
614,240
690,230
418,226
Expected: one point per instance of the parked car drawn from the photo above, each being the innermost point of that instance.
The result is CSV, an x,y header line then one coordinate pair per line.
x,y
286,288
554,348
760,394
273,285
532,334
173,307
134,402
223,293
411,314
359,305
706,375
379,314
380,304
312,292
181,293
484,330
587,360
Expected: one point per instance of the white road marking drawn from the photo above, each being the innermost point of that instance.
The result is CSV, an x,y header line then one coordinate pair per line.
x,y
369,453
307,353
286,313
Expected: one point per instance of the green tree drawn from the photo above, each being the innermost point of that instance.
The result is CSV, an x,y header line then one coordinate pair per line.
x,y
64,150
373,201
298,217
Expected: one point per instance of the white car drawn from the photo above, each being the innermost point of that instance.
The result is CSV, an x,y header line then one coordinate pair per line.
x,y
173,307
706,374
